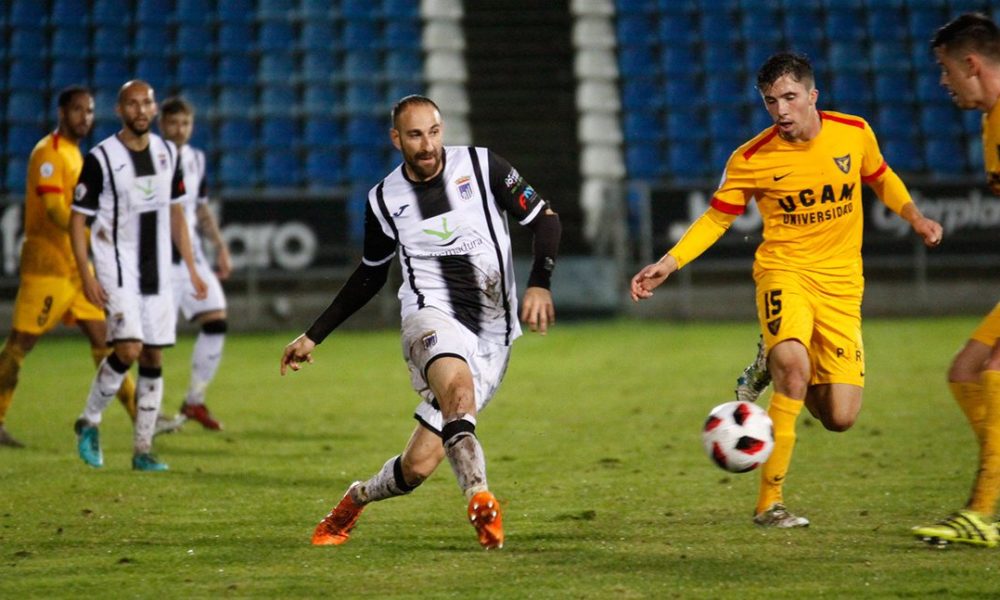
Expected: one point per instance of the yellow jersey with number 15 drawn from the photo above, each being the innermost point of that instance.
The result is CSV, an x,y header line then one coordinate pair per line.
x,y
53,169
808,194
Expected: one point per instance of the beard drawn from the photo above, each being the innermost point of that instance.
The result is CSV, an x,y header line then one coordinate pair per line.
x,y
422,171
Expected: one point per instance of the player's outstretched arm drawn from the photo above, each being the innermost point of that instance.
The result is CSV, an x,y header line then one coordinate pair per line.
x,y
296,352
651,276
928,229
537,309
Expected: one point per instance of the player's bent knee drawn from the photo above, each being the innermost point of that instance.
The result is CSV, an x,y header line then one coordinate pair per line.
x,y
215,326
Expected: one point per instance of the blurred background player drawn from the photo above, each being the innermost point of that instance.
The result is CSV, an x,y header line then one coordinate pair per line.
x,y
968,52
129,191
50,290
444,210
805,174
177,125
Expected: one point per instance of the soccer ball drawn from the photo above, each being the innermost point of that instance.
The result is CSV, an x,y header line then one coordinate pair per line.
x,y
738,436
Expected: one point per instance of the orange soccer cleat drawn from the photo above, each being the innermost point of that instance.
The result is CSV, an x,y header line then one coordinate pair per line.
x,y
200,413
486,516
335,528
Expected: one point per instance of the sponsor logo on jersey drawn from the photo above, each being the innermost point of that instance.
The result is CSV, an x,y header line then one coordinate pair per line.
x,y
79,191
843,162
526,196
399,213
444,233
808,198
147,186
464,187
512,179
46,170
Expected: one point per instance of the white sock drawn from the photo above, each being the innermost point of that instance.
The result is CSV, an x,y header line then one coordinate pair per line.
x,y
465,454
205,361
103,388
387,483
149,396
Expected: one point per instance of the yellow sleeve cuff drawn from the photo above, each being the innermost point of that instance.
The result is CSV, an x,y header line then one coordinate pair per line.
x,y
705,231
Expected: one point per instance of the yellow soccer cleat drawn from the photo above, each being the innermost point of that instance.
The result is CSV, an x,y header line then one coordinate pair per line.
x,y
962,527
335,528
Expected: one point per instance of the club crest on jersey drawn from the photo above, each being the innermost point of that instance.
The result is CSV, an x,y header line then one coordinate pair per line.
x,y
429,340
843,163
162,158
46,170
464,187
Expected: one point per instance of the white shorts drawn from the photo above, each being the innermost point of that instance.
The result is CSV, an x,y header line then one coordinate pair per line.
x,y
429,334
150,319
184,298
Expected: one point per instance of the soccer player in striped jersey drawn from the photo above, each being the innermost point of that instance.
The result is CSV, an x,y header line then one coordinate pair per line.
x,y
444,212
968,52
805,174
51,291
177,125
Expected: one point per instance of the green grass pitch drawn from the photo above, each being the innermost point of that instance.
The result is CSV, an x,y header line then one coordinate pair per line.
x,y
592,445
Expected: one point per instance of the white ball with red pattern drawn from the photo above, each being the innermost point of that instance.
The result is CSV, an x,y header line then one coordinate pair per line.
x,y
738,436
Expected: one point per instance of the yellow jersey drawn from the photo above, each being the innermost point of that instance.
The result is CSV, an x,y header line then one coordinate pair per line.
x,y
53,169
808,194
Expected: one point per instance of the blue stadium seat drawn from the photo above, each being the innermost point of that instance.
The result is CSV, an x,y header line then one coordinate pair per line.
x,y
155,70
203,99
361,34
760,120
722,56
275,36
104,104
636,61
642,127
924,19
755,55
278,100
890,56
152,41
940,120
236,69
719,26
235,11
21,139
365,165
641,93
929,87
644,161
234,101
362,97
25,107
27,41
845,25
105,128
238,169
235,38
725,124
887,24
69,13
721,150
318,66
109,12
70,42
323,131
154,12
237,133
27,13
402,34
890,85
677,29
682,91
110,40
685,126
275,68
894,120
762,26
324,168
635,30
974,154
851,87
282,169
848,56
358,9
361,65
110,72
319,99
275,9
315,10
279,133
319,36
903,154
194,70
945,156
401,9
972,123
365,131
964,6
193,39
403,65
687,162
803,25
195,11
16,171
679,59
725,90
399,89
69,71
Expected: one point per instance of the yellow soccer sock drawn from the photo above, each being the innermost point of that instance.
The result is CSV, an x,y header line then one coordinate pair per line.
x,y
126,393
987,486
783,412
969,396
10,365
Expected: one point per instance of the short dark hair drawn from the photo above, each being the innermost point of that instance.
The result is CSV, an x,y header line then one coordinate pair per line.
x,y
67,94
971,32
176,104
407,101
785,63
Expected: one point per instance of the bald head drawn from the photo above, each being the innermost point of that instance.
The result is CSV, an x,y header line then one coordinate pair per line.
x,y
136,106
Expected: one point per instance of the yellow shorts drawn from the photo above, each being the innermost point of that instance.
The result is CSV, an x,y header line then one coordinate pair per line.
x,y
988,330
825,316
42,302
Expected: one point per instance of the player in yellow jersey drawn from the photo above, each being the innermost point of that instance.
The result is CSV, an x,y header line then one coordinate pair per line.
x,y
50,289
968,51
805,174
